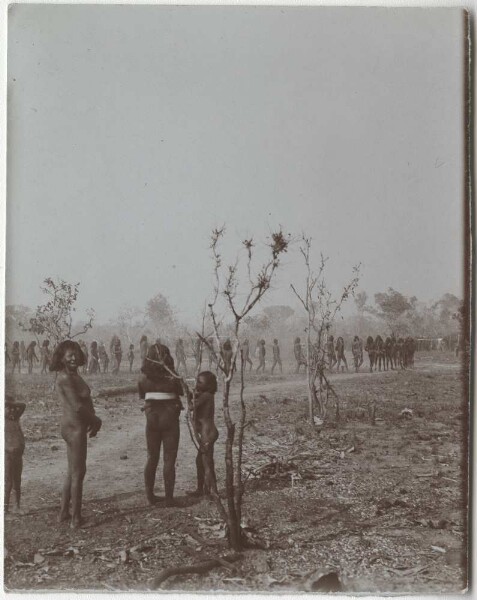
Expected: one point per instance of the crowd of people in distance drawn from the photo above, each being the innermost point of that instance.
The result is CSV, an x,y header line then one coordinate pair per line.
x,y
393,353
97,358
390,353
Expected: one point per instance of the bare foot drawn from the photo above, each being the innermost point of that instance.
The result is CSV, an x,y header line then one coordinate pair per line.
x,y
152,500
18,511
64,516
76,523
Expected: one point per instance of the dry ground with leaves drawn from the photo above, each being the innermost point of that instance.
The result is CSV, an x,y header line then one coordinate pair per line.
x,y
380,503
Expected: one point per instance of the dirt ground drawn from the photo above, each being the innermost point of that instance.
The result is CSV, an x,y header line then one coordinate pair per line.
x,y
382,504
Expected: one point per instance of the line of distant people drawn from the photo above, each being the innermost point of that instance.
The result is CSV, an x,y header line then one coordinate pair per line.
x,y
97,358
391,353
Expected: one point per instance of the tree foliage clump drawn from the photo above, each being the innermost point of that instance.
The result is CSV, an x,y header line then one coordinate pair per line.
x,y
54,319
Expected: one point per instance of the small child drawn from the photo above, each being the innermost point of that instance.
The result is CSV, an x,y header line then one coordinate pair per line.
x,y
131,357
14,447
206,432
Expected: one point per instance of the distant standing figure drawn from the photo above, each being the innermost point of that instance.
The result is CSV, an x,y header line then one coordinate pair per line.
x,y
23,353
45,355
7,355
369,348
261,356
276,356
16,356
246,354
31,356
340,355
131,357
299,357
330,352
357,350
181,355
227,354
103,357
14,448
116,353
93,366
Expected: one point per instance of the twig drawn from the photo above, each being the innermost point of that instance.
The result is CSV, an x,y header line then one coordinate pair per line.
x,y
201,567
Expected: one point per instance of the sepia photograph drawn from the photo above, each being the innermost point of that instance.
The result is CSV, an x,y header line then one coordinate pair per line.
x,y
237,300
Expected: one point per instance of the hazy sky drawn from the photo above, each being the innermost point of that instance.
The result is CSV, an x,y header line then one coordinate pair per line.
x,y
132,131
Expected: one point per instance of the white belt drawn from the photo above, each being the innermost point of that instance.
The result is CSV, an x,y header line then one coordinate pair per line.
x,y
160,396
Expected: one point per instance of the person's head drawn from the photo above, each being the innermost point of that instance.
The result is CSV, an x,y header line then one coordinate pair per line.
x,y
131,347
331,338
356,338
206,382
262,342
67,356
340,339
15,344
143,339
275,341
157,356
297,340
46,343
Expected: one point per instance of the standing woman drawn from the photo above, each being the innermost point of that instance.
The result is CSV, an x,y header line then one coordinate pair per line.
x,y
160,391
78,419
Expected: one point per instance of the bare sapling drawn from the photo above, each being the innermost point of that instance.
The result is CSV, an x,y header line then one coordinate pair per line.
x,y
321,310
227,283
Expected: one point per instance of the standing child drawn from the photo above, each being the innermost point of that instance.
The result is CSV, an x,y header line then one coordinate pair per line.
x,y
203,408
131,357
14,447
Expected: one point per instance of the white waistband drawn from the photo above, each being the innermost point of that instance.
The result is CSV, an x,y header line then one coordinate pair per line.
x,y
160,396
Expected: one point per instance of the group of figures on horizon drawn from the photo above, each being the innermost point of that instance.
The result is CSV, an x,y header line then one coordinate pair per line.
x,y
97,359
389,353
159,388
226,354
383,354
